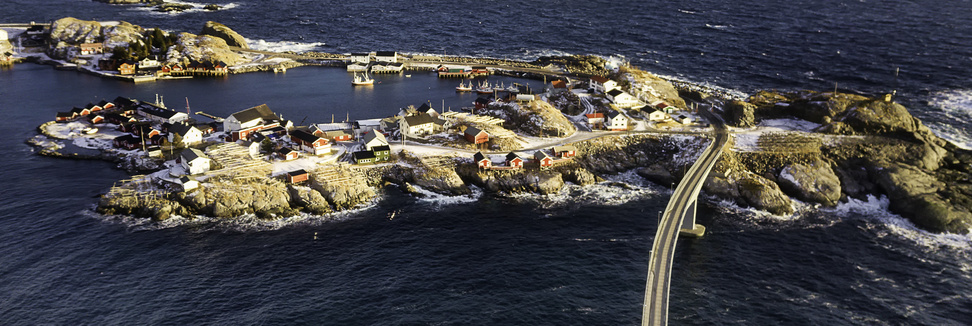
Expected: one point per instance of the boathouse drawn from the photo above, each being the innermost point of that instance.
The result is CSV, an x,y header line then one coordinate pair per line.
x,y
482,161
475,135
514,161
544,161
565,151
310,143
297,176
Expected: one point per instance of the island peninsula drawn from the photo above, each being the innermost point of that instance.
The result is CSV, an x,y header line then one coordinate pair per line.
x,y
592,119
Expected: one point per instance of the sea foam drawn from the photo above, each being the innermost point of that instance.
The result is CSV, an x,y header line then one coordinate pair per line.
x,y
956,106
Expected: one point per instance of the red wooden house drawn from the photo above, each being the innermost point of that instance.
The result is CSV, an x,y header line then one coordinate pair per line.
x,y
544,161
126,68
475,135
565,151
93,107
310,143
514,161
64,116
287,154
595,120
96,118
481,103
297,176
482,161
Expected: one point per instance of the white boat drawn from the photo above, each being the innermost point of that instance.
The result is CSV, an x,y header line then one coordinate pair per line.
x,y
89,130
484,88
362,80
408,76
499,88
464,88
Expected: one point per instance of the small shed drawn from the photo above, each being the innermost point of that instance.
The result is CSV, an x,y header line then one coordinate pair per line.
x,y
544,161
565,151
514,161
475,135
188,183
297,176
287,154
482,161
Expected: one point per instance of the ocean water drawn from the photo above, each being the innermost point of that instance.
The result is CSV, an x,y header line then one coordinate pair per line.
x,y
577,258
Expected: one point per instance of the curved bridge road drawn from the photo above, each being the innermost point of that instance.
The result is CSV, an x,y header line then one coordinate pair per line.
x,y
682,203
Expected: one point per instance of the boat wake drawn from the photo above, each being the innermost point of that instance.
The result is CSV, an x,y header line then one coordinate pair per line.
x,y
956,107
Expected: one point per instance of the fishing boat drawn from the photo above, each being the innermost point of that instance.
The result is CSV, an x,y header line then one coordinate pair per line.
x,y
484,88
362,80
464,88
513,88
499,88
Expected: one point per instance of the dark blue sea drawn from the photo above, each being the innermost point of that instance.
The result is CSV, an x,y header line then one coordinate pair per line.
x,y
576,258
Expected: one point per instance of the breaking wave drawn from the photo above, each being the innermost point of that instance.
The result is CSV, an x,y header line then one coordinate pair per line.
x,y
284,46
956,106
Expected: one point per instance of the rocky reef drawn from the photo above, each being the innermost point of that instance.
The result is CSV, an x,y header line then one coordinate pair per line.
x,y
202,48
864,146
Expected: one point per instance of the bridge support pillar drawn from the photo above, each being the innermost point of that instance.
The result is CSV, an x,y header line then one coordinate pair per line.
x,y
688,227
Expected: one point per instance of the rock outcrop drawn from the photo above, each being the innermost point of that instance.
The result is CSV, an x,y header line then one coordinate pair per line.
x,y
202,48
917,195
740,114
74,31
231,37
813,182
749,190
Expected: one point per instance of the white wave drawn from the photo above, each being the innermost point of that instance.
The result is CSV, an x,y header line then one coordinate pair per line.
x,y
283,46
245,223
718,27
197,7
956,105
440,199
609,193
876,209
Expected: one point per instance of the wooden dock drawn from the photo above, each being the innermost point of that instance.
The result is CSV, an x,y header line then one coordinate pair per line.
x,y
215,118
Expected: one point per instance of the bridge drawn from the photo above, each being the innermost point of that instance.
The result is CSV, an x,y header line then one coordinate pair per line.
x,y
679,218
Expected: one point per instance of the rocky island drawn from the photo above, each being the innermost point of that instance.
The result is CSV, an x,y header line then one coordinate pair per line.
x,y
834,147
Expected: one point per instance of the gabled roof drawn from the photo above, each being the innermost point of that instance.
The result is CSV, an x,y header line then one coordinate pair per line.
x,y
559,84
512,155
304,136
615,92
375,134
539,155
157,111
564,148
599,79
615,114
594,115
182,128
425,108
382,148
261,111
473,131
360,155
103,103
419,119
296,173
65,114
191,154
478,157
123,101
285,150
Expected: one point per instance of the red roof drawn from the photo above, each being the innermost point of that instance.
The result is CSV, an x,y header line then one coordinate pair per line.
x,y
595,115
559,84
662,105
599,79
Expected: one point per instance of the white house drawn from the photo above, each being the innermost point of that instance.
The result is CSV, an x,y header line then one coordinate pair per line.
x,y
417,125
374,139
151,61
189,133
602,84
365,126
621,98
194,161
188,183
683,120
656,114
386,56
360,57
616,121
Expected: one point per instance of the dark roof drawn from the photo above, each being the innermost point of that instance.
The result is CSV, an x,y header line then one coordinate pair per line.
x,y
360,54
304,136
512,155
181,128
482,100
261,111
419,119
473,131
191,154
541,155
479,157
128,138
123,101
65,114
425,108
614,114
156,111
385,53
103,103
77,110
296,173
382,148
89,106
285,150
615,92
359,155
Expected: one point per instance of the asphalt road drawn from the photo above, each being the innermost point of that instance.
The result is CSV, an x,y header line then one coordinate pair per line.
x,y
663,250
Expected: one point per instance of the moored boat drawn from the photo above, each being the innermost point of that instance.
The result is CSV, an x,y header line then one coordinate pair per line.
x,y
464,88
484,88
362,80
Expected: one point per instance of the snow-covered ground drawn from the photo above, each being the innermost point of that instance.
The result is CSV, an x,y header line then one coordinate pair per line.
x,y
307,162
746,138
